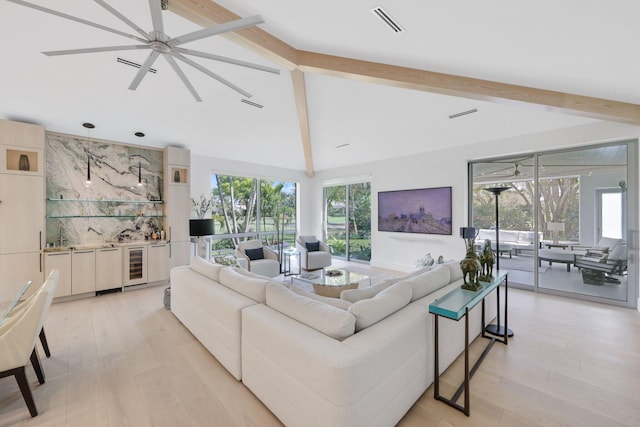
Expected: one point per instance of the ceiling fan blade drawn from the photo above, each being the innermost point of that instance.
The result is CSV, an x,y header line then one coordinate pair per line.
x,y
94,50
216,29
79,20
143,70
226,59
156,16
211,74
124,19
182,76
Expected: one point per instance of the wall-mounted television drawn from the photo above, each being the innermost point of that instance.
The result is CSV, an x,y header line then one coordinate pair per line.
x,y
425,210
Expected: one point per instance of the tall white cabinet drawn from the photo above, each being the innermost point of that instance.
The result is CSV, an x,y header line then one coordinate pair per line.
x,y
21,206
177,190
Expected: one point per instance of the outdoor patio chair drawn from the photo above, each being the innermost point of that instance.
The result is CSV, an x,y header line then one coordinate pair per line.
x,y
597,270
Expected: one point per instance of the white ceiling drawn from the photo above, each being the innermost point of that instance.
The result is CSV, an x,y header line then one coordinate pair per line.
x,y
585,48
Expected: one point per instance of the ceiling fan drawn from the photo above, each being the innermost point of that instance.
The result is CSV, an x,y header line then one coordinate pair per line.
x,y
511,174
161,44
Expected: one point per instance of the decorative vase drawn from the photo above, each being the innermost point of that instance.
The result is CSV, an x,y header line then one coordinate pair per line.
x,y
23,163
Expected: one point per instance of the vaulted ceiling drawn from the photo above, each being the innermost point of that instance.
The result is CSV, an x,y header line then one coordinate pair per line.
x,y
350,90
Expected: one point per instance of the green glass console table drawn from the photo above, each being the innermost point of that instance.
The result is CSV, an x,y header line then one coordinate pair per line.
x,y
456,305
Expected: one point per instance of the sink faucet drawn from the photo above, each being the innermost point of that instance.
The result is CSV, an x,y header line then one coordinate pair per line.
x,y
61,239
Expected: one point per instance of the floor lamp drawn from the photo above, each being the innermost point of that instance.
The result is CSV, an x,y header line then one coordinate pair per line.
x,y
497,329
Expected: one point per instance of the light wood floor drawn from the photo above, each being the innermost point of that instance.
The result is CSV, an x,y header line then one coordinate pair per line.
x,y
123,360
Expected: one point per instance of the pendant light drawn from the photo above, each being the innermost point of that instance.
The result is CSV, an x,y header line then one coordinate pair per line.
x,y
88,126
139,135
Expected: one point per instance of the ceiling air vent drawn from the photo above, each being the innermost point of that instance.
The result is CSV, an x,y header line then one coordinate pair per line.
x,y
133,64
253,104
387,19
463,113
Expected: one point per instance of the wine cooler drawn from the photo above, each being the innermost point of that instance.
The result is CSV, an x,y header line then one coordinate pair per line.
x,y
135,265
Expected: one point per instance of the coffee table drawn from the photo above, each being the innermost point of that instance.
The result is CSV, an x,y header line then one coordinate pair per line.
x,y
329,282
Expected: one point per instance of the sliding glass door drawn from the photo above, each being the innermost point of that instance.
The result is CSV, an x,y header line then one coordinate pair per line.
x,y
567,221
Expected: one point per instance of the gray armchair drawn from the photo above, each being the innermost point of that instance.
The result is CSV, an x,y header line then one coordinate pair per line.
x,y
252,255
311,259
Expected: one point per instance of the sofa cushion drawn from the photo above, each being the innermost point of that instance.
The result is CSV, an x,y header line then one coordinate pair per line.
x,y
429,281
608,243
250,287
370,311
254,254
355,295
336,302
312,246
206,268
324,318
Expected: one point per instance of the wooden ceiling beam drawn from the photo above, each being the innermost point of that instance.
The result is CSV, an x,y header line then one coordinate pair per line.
x,y
484,90
300,94
207,13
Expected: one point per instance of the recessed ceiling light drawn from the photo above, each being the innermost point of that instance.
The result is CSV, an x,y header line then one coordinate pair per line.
x,y
346,144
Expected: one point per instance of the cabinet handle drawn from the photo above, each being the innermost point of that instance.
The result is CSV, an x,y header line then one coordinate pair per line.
x,y
59,254
40,263
40,239
169,236
82,252
159,245
169,251
136,247
108,250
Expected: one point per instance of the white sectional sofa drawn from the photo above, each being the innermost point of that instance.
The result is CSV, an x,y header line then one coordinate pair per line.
x,y
361,360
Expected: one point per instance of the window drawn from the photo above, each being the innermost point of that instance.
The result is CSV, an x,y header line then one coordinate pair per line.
x,y
348,220
246,208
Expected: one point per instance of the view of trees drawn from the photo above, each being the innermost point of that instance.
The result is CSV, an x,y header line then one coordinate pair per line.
x,y
559,202
238,208
356,198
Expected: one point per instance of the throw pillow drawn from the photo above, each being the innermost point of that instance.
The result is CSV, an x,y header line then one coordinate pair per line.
x,y
370,311
254,254
336,302
312,246
331,321
206,268
619,252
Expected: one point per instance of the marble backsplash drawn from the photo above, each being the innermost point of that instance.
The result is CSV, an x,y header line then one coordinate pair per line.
x,y
113,208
